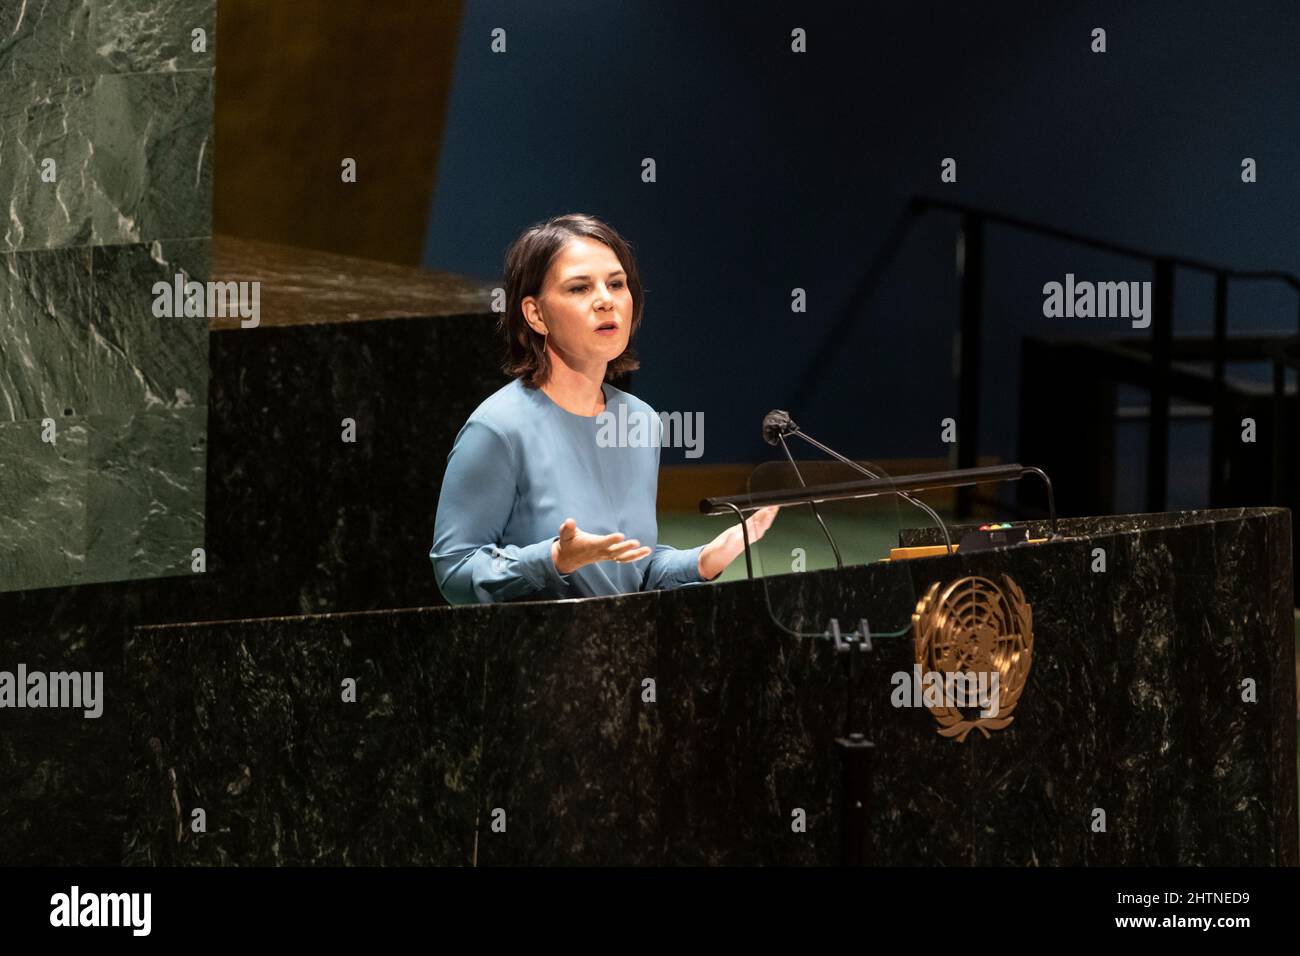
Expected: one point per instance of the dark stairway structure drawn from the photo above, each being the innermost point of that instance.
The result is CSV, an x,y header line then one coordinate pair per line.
x,y
1070,389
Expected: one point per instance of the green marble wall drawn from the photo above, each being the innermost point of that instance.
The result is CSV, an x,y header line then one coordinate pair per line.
x,y
114,94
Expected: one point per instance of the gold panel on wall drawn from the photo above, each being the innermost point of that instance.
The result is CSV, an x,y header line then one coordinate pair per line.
x,y
302,85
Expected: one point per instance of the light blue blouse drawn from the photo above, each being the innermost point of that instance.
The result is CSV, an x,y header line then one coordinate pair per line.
x,y
519,467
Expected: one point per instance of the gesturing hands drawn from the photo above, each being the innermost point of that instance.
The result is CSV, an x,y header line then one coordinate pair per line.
x,y
576,548
726,547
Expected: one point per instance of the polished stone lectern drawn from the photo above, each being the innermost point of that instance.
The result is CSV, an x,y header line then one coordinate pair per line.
x,y
1153,722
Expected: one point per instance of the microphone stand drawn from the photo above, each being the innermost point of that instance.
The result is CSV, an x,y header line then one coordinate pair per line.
x,y
839,562
855,752
854,748
795,430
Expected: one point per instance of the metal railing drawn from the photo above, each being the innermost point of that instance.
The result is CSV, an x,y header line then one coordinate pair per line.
x,y
1160,373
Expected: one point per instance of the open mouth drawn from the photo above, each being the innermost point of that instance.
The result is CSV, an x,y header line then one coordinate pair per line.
x,y
607,327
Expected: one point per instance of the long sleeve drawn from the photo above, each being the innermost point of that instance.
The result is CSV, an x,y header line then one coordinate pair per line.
x,y
478,492
669,567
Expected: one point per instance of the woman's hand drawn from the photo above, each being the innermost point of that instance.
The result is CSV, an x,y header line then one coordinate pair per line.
x,y
576,548
726,547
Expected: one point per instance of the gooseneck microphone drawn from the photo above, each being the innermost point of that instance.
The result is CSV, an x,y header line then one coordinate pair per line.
x,y
777,426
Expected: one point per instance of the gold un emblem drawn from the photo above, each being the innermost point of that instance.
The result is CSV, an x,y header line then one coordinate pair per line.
x,y
973,628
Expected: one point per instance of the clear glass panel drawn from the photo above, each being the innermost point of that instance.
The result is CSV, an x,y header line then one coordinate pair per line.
x,y
797,561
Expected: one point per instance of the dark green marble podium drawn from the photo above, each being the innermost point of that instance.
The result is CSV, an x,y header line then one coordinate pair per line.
x,y
533,714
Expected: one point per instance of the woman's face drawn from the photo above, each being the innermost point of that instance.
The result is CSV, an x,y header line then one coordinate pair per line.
x,y
585,306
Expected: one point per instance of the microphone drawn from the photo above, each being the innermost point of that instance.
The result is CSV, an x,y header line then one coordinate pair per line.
x,y
776,425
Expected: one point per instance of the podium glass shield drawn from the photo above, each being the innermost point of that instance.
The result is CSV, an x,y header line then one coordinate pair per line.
x,y
803,555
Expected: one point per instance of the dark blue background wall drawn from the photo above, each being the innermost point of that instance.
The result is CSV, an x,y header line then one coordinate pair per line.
x,y
778,170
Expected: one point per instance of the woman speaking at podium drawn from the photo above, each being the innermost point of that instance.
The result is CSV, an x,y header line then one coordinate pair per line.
x,y
537,503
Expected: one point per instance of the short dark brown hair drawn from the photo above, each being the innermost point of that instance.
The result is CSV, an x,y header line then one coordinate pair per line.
x,y
528,260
